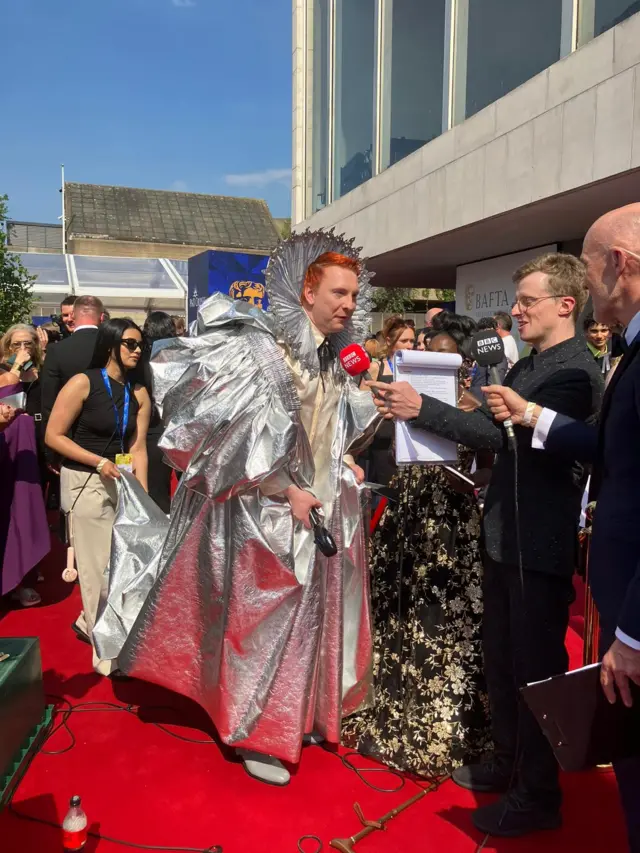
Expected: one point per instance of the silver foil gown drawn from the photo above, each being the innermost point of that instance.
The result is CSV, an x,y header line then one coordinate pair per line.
x,y
245,616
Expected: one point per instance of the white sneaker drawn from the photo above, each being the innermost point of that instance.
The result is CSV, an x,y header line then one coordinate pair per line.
x,y
266,768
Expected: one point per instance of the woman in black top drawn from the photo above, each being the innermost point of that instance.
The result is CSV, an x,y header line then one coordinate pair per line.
x,y
99,425
158,327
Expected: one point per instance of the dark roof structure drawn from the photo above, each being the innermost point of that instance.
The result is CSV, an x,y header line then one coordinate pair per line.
x,y
162,216
34,235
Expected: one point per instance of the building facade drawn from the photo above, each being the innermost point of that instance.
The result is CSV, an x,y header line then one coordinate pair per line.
x,y
447,135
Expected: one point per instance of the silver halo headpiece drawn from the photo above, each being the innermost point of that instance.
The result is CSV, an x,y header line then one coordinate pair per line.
x,y
284,277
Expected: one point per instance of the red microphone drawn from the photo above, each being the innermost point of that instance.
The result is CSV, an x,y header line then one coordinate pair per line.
x,y
355,361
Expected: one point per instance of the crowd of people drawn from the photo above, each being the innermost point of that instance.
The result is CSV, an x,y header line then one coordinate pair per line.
x,y
470,577
43,440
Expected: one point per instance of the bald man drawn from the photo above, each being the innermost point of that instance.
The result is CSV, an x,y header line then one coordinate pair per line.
x,y
428,317
611,253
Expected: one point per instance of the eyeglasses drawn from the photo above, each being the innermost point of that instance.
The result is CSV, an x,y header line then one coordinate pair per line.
x,y
525,303
132,344
20,344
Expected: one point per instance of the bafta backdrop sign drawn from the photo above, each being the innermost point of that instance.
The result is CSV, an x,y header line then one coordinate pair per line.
x,y
239,275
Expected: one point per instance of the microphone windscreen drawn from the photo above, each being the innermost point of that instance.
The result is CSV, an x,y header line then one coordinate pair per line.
x,y
355,360
487,348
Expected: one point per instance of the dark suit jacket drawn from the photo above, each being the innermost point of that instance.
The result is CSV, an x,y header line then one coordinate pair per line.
x,y
566,379
63,360
614,448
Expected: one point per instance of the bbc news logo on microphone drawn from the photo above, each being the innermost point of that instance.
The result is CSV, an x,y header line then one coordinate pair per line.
x,y
489,344
351,359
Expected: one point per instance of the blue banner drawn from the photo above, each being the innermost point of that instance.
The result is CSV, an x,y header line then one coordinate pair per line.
x,y
236,274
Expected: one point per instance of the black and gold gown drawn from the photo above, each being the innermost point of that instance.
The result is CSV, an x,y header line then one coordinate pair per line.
x,y
430,713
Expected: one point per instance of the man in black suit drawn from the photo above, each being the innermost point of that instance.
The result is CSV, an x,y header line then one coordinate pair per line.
x,y
73,354
612,255
527,579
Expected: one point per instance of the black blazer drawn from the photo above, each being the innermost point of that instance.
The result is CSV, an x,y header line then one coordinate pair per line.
x,y
564,378
62,361
614,448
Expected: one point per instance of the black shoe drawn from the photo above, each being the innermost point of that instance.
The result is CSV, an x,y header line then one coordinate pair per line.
x,y
80,634
487,778
511,817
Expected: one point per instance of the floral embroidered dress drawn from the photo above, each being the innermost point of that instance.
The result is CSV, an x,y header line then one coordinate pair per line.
x,y
430,713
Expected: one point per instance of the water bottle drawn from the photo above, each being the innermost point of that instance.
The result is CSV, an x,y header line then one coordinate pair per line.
x,y
74,827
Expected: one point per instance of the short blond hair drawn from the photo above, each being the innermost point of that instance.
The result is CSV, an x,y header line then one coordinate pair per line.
x,y
5,344
566,276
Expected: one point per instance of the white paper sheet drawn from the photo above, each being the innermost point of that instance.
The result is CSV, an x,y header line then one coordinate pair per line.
x,y
434,374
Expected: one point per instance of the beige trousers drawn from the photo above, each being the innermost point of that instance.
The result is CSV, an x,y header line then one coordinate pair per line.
x,y
90,525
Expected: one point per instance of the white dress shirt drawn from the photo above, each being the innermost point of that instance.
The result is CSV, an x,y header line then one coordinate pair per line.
x,y
541,433
510,350
86,326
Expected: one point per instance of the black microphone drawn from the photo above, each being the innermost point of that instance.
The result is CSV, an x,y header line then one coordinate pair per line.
x,y
487,350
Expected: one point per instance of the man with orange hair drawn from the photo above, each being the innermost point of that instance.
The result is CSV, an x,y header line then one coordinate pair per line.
x,y
245,614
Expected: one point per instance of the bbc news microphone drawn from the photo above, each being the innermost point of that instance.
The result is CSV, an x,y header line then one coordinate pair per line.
x,y
487,350
356,362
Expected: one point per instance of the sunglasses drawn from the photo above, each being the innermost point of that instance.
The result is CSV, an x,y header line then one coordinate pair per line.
x,y
132,344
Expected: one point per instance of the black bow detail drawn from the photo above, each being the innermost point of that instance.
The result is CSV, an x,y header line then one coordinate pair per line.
x,y
326,355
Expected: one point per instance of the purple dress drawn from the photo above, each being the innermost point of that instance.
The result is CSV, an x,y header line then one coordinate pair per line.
x,y
24,532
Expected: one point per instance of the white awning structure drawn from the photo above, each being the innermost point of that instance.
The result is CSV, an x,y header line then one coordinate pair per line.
x,y
135,284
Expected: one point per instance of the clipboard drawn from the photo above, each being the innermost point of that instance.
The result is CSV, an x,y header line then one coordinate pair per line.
x,y
434,374
583,729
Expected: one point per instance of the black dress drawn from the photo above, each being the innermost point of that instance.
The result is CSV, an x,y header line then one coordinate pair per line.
x,y
430,712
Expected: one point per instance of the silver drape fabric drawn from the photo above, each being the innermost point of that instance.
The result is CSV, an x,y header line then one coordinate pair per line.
x,y
245,616
136,547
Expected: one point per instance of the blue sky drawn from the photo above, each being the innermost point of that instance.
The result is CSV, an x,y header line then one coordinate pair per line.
x,y
169,94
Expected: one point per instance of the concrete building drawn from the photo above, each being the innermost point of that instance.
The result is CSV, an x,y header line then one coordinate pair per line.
x,y
454,139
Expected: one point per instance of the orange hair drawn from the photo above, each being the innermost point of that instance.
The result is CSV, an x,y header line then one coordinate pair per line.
x,y
314,271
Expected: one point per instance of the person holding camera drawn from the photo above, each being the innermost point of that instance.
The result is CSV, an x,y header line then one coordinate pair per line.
x,y
99,427
22,351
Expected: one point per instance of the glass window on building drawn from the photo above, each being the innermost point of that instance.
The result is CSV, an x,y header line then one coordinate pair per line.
x,y
507,43
598,16
320,121
355,33
414,77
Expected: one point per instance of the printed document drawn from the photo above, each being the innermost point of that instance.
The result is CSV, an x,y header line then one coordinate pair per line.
x,y
436,375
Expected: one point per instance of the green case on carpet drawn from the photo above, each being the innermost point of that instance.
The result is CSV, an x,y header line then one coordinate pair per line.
x,y
22,704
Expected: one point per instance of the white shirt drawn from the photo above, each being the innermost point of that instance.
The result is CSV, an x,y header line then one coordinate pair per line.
x,y
510,350
541,434
86,326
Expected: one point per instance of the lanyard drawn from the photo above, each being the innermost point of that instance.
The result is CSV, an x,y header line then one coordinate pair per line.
x,y
389,362
125,411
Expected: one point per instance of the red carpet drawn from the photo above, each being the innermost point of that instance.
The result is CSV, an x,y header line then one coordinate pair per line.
x,y
139,784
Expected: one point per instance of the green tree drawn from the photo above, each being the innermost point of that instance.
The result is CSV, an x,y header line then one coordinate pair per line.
x,y
16,284
446,295
392,300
